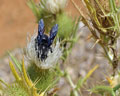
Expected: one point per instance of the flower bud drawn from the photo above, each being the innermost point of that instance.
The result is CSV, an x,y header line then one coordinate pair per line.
x,y
53,6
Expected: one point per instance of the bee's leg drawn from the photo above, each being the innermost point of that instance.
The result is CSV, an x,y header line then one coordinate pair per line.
x,y
40,49
38,54
43,57
35,47
35,44
51,50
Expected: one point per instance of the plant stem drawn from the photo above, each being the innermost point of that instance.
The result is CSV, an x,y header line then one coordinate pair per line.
x,y
71,83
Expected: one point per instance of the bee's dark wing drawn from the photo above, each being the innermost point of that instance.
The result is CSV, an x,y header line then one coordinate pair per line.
x,y
53,33
41,27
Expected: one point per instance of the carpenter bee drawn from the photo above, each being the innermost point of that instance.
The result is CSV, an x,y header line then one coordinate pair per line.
x,y
43,42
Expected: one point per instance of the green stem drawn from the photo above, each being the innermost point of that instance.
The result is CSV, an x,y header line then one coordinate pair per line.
x,y
72,84
102,89
106,53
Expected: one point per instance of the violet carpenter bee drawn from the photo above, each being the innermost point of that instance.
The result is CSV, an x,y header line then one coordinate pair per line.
x,y
43,42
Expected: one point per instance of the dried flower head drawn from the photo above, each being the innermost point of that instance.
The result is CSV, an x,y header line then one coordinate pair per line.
x,y
53,6
40,49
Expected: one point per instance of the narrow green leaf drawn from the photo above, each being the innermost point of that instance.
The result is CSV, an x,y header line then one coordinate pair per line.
x,y
16,62
116,87
83,80
102,89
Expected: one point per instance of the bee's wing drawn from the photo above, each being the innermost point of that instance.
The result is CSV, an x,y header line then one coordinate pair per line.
x,y
41,27
53,33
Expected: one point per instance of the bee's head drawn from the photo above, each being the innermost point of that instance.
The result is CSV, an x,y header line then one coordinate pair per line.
x,y
44,39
